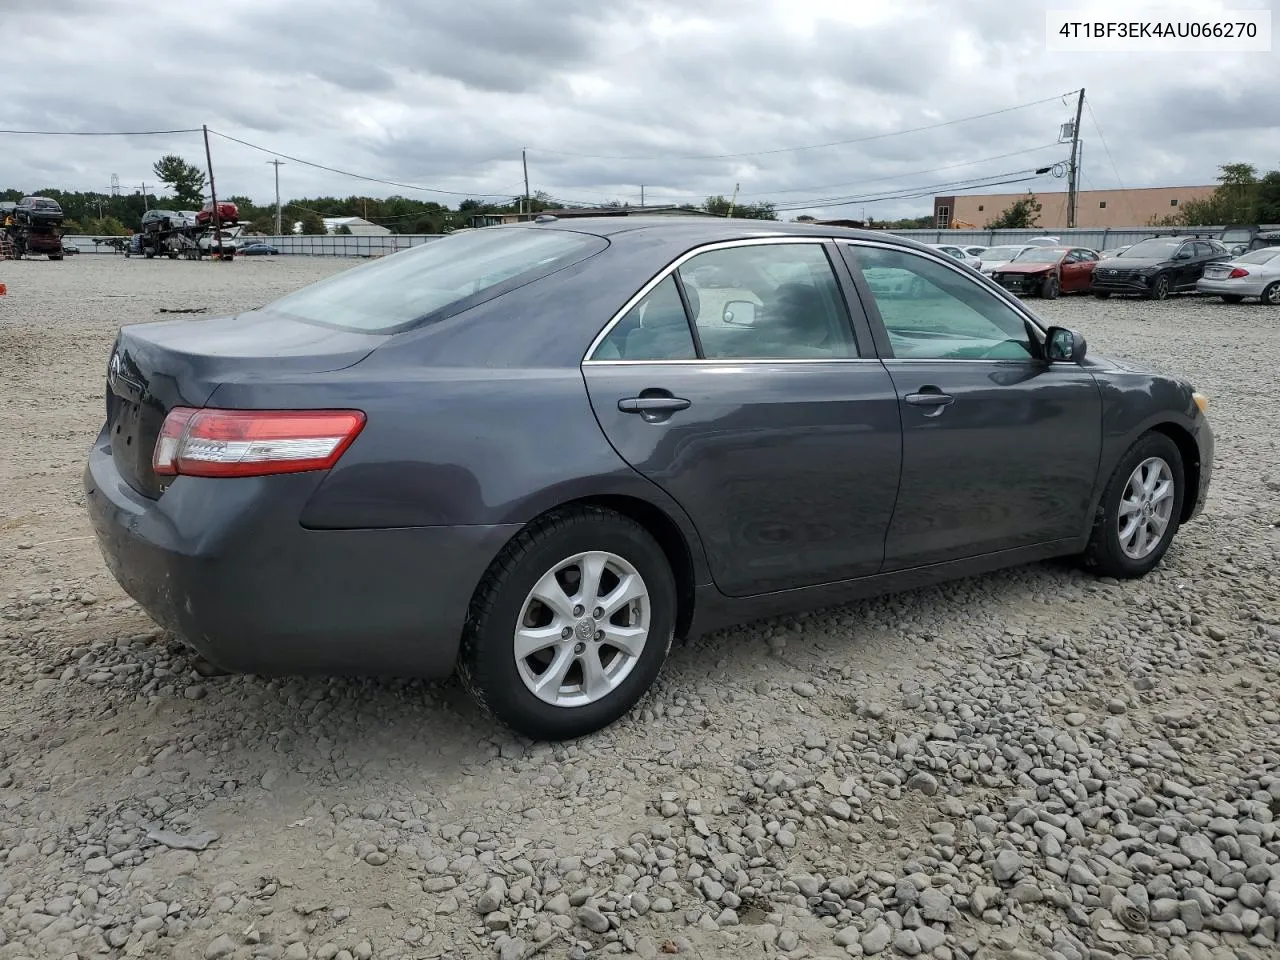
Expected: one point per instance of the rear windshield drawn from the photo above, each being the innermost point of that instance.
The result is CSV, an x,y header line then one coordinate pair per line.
x,y
1265,255
406,287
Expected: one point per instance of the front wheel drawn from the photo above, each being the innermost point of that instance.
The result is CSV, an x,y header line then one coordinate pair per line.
x,y
1160,288
1271,294
1049,289
570,625
1140,510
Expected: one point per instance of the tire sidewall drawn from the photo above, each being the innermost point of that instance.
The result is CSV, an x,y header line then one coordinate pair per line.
x,y
493,666
1107,545
1161,281
1269,292
1049,290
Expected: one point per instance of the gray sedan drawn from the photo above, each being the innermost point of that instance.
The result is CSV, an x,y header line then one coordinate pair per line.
x,y
539,453
1253,274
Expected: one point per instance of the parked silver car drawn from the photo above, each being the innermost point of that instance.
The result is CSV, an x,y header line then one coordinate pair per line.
x,y
1252,274
994,257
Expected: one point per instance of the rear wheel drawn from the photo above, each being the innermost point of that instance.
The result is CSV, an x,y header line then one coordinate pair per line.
x,y
1160,287
1271,294
1231,298
1139,511
570,625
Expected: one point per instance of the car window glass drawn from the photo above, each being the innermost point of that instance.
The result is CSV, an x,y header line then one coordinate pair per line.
x,y
932,312
767,301
1265,255
656,328
1202,249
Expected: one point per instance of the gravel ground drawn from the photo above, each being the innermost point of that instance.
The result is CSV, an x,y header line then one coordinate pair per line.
x,y
1025,765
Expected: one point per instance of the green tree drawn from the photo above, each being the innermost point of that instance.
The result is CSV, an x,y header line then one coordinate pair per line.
x,y
312,223
1020,215
343,230
719,206
1269,198
1235,200
105,227
185,179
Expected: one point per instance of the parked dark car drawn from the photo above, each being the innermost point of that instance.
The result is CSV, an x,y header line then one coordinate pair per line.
x,y
539,452
1157,267
69,248
38,211
1048,271
259,250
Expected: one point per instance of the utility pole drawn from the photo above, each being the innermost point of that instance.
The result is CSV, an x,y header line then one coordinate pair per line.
x,y
277,164
524,162
734,202
1073,182
213,194
145,205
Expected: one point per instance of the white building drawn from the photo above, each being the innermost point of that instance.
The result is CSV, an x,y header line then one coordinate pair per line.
x,y
356,225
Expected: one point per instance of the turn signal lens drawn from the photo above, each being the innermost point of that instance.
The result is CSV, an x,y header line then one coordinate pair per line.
x,y
1201,401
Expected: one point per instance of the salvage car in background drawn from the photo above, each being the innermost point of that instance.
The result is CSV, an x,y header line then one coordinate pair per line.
x,y
958,253
1048,271
1253,274
991,258
1157,267
348,480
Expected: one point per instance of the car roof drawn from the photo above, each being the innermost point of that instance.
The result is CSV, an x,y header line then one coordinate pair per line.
x,y
696,231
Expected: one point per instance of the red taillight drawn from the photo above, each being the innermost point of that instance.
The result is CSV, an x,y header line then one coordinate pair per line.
x,y
1237,273
252,443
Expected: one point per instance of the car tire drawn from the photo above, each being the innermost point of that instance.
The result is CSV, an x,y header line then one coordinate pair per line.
x,y
542,559
1160,287
1110,553
1101,295
1271,294
1049,289
1231,298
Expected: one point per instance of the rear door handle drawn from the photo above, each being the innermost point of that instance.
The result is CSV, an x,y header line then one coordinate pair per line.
x,y
653,404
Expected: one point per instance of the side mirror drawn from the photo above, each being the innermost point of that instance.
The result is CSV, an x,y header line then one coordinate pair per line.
x,y
1064,346
740,313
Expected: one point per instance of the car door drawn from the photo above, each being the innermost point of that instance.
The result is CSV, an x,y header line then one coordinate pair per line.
x,y
761,408
1077,270
1000,449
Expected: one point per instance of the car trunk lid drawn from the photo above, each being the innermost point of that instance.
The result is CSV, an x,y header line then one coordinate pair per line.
x,y
157,366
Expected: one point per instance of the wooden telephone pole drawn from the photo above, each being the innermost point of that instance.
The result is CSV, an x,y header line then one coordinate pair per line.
x,y
1073,172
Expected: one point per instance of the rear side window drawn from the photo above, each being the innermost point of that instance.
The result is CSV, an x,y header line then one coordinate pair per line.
x,y
460,270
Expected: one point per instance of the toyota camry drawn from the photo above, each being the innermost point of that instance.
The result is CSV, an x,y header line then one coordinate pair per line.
x,y
537,454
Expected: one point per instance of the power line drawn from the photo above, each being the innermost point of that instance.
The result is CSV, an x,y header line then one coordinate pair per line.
x,y
99,133
1111,160
357,176
811,146
910,193
898,176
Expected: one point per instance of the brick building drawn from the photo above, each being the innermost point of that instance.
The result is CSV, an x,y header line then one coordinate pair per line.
x,y
1094,208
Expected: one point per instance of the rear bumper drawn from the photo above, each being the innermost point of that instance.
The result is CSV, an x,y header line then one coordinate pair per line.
x,y
1240,288
226,566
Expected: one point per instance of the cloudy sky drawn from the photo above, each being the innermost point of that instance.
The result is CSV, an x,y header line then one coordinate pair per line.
x,y
791,99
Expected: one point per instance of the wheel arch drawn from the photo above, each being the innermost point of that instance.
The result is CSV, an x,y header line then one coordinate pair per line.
x,y
663,528
1191,465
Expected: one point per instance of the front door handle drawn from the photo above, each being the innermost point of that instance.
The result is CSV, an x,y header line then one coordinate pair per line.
x,y
932,398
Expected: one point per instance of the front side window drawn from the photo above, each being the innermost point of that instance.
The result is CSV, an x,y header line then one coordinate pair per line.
x,y
932,312
398,290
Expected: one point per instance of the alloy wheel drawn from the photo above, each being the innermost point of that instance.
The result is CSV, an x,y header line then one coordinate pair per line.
x,y
1146,507
582,629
